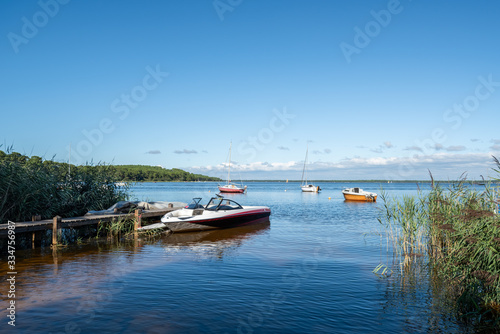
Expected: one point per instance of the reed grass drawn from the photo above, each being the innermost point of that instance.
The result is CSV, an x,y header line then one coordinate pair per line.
x,y
457,231
124,227
44,188
116,228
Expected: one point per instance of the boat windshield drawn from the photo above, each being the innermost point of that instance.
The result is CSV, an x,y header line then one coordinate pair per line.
x,y
217,203
195,204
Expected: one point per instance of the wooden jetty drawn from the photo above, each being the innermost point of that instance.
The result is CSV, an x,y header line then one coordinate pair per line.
x,y
57,222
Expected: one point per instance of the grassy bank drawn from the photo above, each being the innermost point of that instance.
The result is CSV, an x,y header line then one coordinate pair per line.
x,y
457,231
33,186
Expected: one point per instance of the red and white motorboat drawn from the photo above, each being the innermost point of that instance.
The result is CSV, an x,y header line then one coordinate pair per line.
x,y
220,212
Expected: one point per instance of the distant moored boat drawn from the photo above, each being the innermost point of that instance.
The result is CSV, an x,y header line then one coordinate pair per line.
x,y
230,187
358,194
305,186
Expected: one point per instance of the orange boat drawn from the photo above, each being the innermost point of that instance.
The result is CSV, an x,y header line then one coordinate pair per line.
x,y
358,194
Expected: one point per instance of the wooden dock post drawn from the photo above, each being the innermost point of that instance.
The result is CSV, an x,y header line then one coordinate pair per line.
x,y
138,219
55,230
33,235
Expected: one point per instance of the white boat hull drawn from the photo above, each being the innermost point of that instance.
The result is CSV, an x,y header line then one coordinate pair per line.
x,y
231,188
310,188
188,220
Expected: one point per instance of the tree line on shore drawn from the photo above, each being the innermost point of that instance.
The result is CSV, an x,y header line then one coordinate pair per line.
x,y
157,173
135,173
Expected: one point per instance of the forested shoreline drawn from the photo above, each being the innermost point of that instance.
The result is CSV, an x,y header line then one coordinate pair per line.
x,y
140,173
133,173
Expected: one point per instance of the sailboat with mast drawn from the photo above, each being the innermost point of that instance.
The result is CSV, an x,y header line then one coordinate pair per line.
x,y
230,187
305,186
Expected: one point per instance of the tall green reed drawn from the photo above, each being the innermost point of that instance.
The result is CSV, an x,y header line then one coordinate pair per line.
x,y
458,230
45,188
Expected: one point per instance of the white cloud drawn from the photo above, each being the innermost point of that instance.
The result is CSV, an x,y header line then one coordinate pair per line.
x,y
325,151
414,148
381,148
455,148
153,152
442,165
185,151
438,147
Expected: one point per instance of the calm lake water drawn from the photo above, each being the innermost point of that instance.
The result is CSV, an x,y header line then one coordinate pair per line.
x,y
308,270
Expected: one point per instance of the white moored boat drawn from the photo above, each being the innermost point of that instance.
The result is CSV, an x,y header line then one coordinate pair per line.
x,y
309,188
220,212
305,186
230,187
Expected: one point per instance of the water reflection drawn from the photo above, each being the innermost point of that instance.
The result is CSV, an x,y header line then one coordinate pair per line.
x,y
75,275
417,286
215,243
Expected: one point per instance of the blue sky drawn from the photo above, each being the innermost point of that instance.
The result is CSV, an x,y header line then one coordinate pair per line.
x,y
376,89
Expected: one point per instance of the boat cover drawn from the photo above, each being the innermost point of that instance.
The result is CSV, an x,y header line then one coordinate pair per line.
x,y
129,206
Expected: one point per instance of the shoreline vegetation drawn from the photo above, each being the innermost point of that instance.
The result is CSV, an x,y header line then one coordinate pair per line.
x,y
36,187
454,233
142,173
32,186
